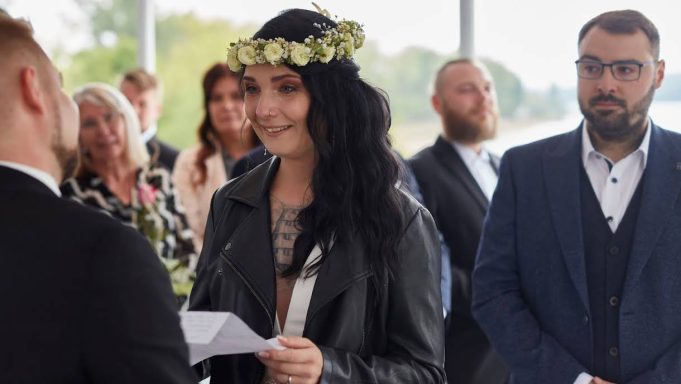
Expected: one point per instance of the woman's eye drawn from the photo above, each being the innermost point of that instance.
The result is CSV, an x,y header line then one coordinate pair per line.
x,y
250,89
88,124
287,89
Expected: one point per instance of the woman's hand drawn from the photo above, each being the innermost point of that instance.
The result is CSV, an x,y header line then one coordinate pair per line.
x,y
300,363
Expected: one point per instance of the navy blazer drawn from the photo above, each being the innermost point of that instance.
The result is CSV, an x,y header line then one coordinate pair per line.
x,y
530,286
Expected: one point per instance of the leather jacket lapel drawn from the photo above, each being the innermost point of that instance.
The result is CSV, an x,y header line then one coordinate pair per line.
x,y
340,270
249,247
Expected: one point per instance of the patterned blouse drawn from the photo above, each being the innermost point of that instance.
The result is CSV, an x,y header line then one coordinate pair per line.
x,y
154,210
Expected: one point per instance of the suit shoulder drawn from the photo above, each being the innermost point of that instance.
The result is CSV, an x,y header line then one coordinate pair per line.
x,y
539,147
409,206
423,156
167,148
91,222
670,135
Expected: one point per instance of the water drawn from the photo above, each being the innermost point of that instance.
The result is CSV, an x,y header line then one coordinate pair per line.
x,y
666,114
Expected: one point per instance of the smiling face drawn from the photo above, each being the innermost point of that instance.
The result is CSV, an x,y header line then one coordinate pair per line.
x,y
615,109
102,133
226,108
277,104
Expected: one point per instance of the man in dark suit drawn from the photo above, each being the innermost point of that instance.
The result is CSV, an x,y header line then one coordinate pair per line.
x,y
85,299
578,274
143,90
457,177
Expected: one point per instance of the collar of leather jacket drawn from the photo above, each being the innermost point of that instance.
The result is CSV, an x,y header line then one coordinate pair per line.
x,y
250,190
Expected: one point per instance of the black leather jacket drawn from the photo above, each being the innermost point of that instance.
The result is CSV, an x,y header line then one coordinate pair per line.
x,y
392,333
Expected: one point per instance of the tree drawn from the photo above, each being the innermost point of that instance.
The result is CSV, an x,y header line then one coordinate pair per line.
x,y
509,88
186,47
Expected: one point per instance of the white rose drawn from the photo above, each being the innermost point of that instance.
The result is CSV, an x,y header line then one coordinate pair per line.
x,y
360,40
349,49
327,54
232,60
299,55
246,55
273,52
347,36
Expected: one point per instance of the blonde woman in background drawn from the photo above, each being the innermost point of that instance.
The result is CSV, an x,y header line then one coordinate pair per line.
x,y
115,177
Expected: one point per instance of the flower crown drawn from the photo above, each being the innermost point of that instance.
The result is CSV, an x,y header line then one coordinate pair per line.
x,y
339,42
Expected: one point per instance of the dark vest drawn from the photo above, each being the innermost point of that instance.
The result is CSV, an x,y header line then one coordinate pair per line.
x,y
607,256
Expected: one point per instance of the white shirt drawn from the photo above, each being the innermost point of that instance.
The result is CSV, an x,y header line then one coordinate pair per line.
x,y
36,173
614,183
149,133
480,166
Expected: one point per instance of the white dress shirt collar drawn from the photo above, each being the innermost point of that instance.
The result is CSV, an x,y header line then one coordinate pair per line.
x,y
468,154
36,173
149,133
480,166
614,183
588,149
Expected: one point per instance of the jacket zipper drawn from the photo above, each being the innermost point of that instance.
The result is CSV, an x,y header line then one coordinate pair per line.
x,y
249,286
261,373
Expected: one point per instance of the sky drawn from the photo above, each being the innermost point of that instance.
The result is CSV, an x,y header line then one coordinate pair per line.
x,y
536,39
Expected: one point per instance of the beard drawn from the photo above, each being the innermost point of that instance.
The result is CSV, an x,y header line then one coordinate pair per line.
x,y
613,125
460,127
67,158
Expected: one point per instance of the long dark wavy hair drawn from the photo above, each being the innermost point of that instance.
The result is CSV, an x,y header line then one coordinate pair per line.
x,y
354,179
206,132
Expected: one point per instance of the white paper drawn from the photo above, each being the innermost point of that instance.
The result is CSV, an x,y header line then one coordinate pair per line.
x,y
220,333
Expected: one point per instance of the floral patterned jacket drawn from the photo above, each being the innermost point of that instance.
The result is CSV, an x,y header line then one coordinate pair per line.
x,y
154,210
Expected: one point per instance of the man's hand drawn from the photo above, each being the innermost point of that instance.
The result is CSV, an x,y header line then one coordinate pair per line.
x,y
598,380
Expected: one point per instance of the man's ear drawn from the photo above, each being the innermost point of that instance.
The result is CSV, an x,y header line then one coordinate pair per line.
x,y
32,93
659,73
437,103
159,110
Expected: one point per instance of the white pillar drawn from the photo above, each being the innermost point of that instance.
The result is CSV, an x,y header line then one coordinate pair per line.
x,y
146,35
467,23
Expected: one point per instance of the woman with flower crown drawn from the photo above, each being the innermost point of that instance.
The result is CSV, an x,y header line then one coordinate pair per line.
x,y
115,177
317,246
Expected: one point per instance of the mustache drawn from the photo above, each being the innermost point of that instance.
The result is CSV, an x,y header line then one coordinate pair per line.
x,y
608,99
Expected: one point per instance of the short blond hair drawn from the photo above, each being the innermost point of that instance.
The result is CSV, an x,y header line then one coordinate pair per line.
x,y
143,81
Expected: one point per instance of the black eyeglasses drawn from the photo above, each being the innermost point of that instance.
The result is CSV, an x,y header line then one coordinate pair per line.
x,y
621,70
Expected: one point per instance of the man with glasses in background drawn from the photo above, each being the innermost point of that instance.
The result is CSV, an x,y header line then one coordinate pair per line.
x,y
578,276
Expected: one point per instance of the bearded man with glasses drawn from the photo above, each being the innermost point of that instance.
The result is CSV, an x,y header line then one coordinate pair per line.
x,y
578,275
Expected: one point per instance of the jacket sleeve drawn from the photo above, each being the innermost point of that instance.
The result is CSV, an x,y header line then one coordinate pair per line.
x,y
132,329
199,300
415,325
498,304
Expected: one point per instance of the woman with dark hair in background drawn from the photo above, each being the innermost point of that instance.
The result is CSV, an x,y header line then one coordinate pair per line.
x,y
318,244
223,138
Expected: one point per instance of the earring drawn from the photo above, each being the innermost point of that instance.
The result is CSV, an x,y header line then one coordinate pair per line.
x,y
265,153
